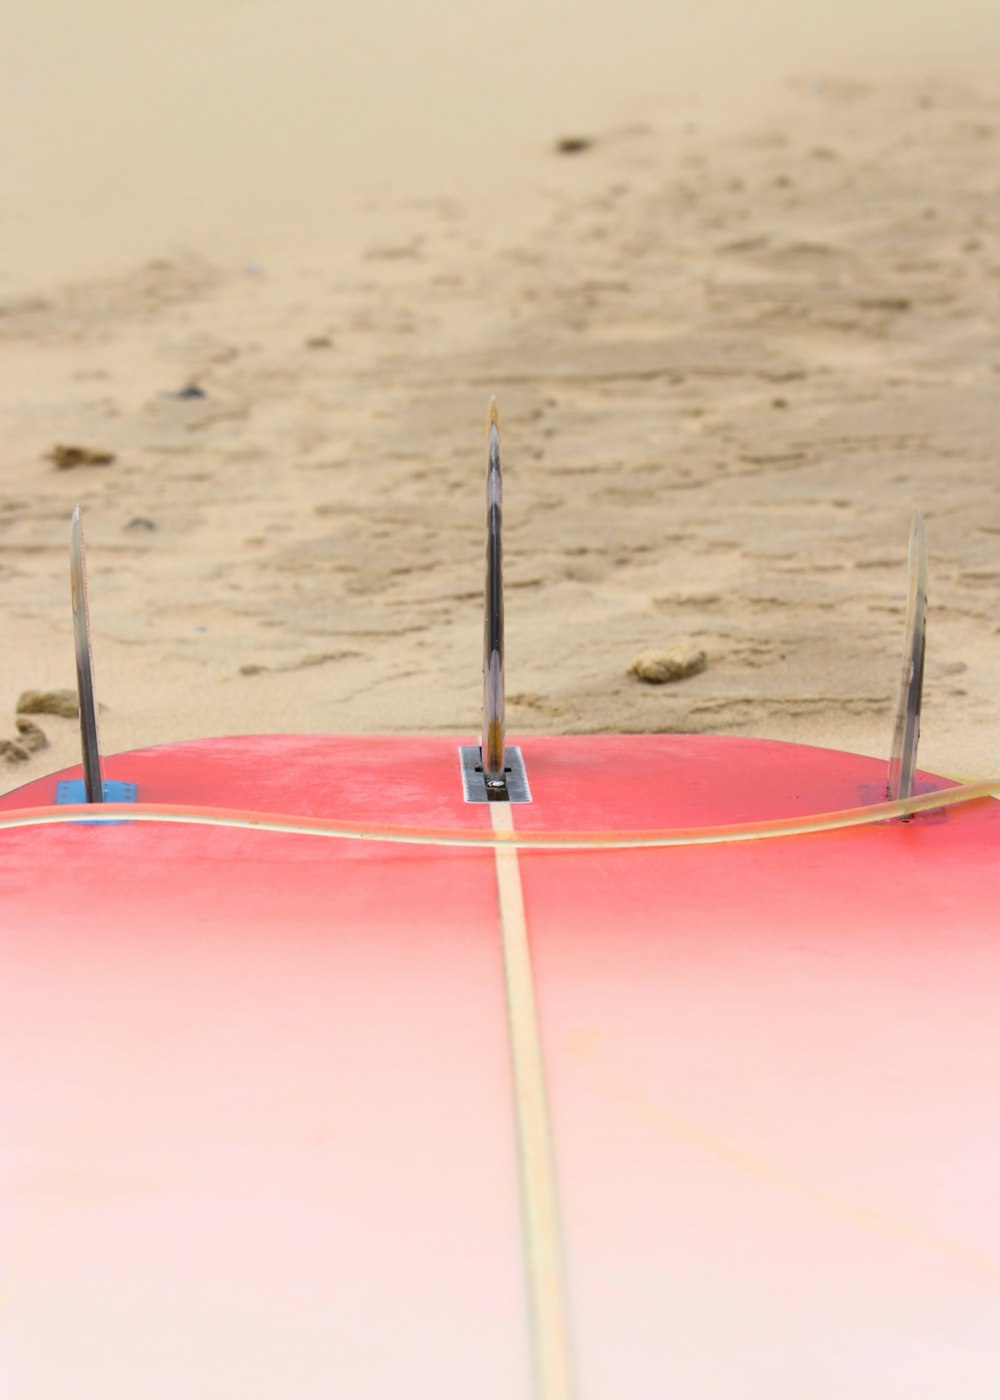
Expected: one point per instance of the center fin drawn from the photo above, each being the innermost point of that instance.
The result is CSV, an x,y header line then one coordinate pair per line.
x,y
493,657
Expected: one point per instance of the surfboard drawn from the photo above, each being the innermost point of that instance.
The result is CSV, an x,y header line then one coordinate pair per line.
x,y
621,1066
320,1079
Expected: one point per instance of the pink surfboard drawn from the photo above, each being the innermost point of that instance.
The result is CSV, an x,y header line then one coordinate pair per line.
x,y
363,1098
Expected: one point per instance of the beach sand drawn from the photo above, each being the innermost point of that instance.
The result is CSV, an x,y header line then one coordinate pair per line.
x,y
734,281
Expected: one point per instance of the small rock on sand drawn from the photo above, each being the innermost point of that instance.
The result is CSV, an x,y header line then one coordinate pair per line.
x,y
48,702
30,735
66,455
573,145
11,752
673,663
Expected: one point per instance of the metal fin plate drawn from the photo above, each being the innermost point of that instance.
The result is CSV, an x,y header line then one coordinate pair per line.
x,y
474,784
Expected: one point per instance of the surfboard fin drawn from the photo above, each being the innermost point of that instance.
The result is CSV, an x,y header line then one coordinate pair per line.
x,y
903,757
90,740
493,649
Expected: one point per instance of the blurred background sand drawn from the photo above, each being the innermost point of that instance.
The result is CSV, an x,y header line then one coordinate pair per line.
x,y
733,276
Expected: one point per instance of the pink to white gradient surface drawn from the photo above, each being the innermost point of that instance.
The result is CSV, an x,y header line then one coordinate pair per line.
x,y
258,1135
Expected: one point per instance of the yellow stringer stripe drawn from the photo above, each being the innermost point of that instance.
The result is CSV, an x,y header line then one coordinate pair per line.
x,y
539,1205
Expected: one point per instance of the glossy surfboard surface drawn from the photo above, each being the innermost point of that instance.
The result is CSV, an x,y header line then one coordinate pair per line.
x,y
263,1133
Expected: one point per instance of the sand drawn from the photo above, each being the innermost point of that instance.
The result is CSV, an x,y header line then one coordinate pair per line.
x,y
734,281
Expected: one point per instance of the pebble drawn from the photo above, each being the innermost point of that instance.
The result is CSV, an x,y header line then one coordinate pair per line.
x,y
32,736
673,663
66,455
11,752
573,145
48,702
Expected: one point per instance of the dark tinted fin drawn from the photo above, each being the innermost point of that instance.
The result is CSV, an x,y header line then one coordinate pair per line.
x,y
903,758
90,740
493,658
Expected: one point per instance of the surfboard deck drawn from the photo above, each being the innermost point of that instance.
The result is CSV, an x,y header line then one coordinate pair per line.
x,y
263,1133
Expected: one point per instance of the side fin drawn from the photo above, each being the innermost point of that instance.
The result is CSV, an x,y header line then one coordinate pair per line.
x,y
903,758
90,740
493,658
